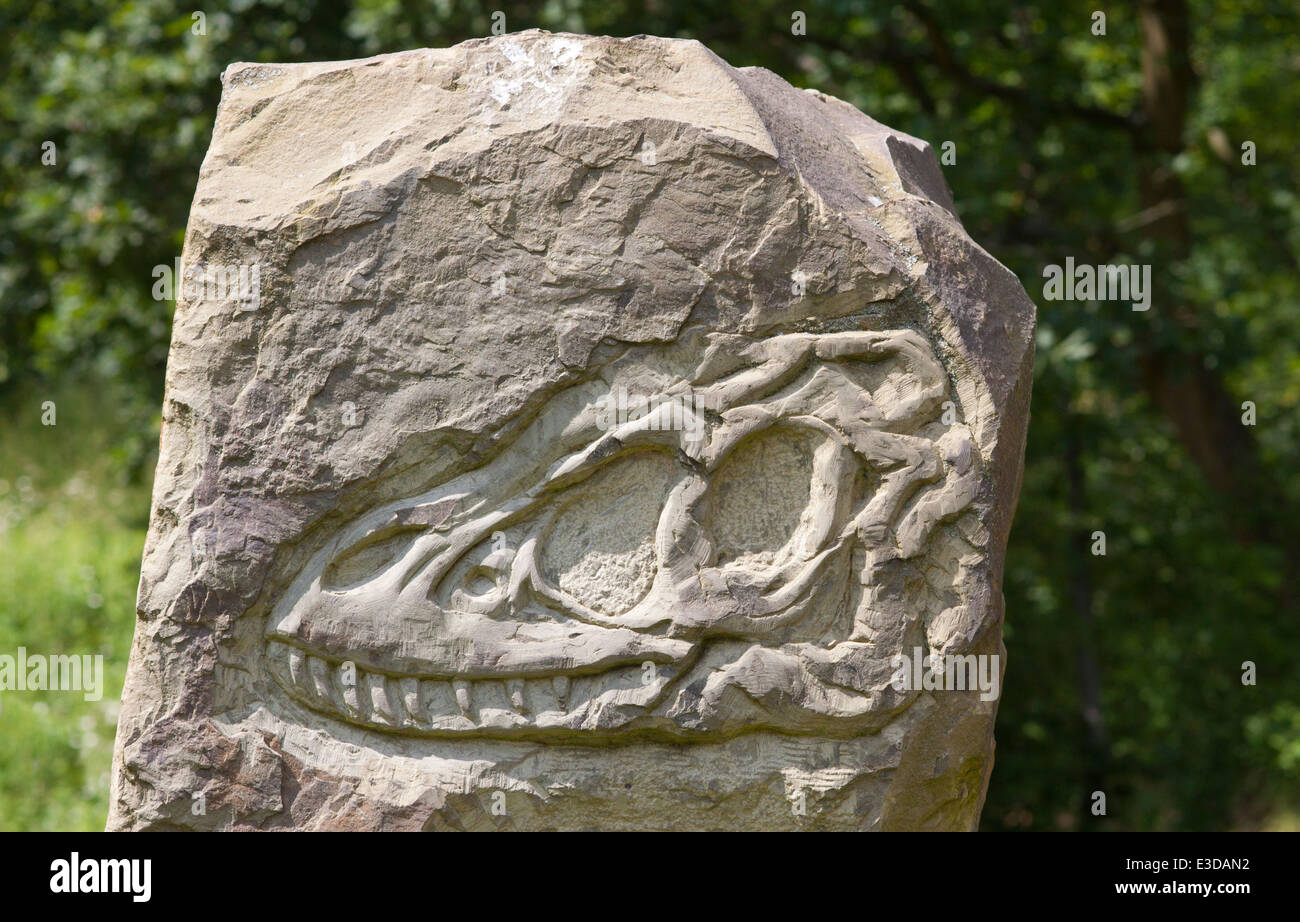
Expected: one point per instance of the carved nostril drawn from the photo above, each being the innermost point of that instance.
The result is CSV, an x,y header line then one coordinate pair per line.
x,y
481,584
490,575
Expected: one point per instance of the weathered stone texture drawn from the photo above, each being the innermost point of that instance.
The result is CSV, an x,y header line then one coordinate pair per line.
x,y
605,422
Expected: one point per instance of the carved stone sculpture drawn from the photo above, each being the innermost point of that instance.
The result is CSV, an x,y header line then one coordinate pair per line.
x,y
609,435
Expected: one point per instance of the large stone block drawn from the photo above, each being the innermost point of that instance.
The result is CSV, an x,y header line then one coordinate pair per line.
x,y
572,432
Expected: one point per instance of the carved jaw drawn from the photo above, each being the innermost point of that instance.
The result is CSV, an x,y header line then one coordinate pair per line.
x,y
693,580
602,700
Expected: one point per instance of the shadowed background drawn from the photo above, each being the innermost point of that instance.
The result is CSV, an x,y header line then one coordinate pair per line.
x,y
1124,670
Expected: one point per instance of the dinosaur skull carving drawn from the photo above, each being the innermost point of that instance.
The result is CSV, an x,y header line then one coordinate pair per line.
x,y
727,559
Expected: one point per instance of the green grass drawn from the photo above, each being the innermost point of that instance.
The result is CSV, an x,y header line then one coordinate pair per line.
x,y
71,533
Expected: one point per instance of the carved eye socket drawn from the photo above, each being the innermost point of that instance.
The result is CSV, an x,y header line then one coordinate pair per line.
x,y
368,557
600,547
759,494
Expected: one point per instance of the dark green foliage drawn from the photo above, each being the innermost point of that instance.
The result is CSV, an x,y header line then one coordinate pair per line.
x,y
1124,669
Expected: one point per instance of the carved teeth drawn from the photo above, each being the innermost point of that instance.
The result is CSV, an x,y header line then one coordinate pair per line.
x,y
297,667
379,699
411,699
350,696
456,705
515,687
464,695
320,677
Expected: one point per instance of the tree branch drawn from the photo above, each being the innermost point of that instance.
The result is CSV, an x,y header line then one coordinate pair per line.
x,y
1018,96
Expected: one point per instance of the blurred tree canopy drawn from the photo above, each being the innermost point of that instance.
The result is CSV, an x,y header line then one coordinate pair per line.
x,y
1169,140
